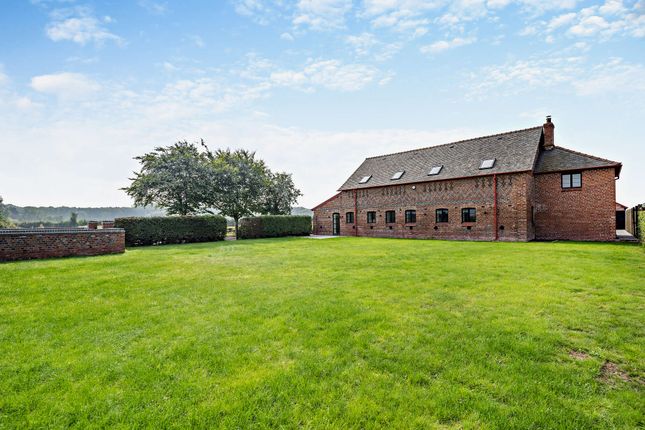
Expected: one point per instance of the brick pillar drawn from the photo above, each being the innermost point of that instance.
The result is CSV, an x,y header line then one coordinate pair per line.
x,y
92,225
108,224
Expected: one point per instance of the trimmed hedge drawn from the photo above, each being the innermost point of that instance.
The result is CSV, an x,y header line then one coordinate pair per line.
x,y
141,231
641,226
274,226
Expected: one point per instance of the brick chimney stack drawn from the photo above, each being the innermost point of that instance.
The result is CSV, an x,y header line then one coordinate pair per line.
x,y
548,129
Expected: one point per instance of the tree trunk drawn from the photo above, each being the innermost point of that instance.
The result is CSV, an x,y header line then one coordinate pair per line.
x,y
237,233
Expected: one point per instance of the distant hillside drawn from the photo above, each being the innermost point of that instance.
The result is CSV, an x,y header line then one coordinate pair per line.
x,y
61,214
301,211
50,214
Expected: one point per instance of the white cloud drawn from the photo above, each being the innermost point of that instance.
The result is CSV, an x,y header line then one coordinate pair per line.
x,y
330,74
362,43
529,30
65,85
334,75
249,7
287,36
596,22
366,44
154,7
197,40
572,72
321,14
443,45
589,25
25,103
561,20
613,76
403,18
612,7
169,67
78,25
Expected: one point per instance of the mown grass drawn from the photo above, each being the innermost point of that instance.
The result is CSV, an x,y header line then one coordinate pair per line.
x,y
339,333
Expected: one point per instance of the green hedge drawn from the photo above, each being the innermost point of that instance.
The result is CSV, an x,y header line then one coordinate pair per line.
x,y
274,226
172,229
641,226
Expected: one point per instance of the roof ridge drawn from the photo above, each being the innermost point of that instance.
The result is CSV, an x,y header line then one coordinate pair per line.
x,y
587,155
457,141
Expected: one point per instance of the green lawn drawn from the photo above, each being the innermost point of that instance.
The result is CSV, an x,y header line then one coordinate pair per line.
x,y
339,333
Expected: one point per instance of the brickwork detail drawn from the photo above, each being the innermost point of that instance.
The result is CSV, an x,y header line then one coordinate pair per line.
x,y
586,213
528,207
513,209
29,244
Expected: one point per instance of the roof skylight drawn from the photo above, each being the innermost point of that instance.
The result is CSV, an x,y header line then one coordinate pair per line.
x,y
487,164
364,179
397,175
435,170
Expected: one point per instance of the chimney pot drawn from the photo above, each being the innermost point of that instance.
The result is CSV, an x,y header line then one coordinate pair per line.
x,y
548,131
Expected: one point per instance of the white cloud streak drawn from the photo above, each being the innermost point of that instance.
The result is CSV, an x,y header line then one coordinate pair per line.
x,y
65,86
444,45
573,72
79,25
321,14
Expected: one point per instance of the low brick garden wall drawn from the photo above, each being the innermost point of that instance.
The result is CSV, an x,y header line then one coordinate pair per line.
x,y
27,244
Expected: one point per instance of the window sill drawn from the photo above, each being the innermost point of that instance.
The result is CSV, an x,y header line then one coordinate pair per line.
x,y
566,190
468,224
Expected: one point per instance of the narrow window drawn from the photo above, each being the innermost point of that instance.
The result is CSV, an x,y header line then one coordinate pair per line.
x,y
390,217
469,215
441,215
410,216
371,217
572,180
349,217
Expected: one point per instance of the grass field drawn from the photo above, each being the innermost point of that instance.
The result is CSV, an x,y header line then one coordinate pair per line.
x,y
339,333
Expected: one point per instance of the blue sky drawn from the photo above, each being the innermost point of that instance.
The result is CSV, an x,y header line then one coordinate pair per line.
x,y
313,86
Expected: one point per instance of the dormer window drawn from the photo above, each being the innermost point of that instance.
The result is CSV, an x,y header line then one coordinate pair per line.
x,y
397,175
365,179
435,170
487,164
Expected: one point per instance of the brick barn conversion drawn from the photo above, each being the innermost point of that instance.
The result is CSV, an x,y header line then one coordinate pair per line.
x,y
514,186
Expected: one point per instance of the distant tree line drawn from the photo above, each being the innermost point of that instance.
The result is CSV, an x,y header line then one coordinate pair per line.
x,y
50,216
4,219
190,179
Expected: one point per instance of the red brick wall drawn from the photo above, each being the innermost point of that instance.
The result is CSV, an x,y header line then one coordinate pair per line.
x,y
514,197
587,213
25,245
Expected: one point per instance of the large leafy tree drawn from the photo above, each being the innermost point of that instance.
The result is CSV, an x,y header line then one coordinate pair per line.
x,y
177,178
280,194
239,185
4,220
